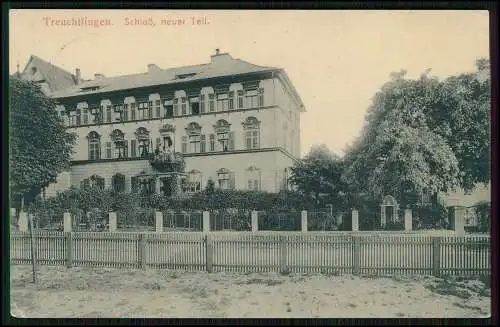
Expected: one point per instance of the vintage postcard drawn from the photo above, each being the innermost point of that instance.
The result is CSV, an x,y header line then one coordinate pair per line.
x,y
249,164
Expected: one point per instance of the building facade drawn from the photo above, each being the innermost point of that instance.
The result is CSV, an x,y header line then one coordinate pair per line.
x,y
235,123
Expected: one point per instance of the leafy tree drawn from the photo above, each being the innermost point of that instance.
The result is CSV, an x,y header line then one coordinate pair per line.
x,y
465,123
319,174
423,135
39,147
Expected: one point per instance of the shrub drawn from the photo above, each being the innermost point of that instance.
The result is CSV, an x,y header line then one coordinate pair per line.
x,y
482,211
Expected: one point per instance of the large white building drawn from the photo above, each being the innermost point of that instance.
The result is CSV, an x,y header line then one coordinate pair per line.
x,y
234,122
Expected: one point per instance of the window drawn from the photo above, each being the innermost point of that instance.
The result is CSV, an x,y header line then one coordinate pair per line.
x,y
108,150
222,102
202,103
144,142
203,145
252,139
118,182
133,115
144,148
78,117
134,184
143,109
108,114
93,181
194,141
193,131
169,109
184,144
225,179
125,112
183,106
211,103
133,148
120,143
212,142
176,107
85,116
150,110
195,108
158,108
253,178
193,182
231,100
261,97
251,99
224,137
252,133
118,109
94,146
240,99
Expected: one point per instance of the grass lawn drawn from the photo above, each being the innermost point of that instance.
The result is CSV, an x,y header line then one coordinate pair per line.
x,y
108,293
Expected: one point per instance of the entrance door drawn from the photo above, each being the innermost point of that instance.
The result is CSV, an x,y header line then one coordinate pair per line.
x,y
389,214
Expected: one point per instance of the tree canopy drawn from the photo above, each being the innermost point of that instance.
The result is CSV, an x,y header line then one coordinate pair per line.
x,y
424,134
39,145
318,174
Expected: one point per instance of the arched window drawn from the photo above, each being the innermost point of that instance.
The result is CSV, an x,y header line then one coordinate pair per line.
x,y
118,182
226,179
225,137
251,126
253,178
144,142
120,144
94,146
193,131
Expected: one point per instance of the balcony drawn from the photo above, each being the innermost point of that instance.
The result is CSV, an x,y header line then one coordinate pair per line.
x,y
167,162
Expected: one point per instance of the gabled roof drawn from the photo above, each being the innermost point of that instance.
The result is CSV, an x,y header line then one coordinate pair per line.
x,y
163,76
56,77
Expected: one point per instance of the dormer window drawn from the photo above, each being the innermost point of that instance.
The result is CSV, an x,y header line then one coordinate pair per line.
x,y
33,70
182,76
89,89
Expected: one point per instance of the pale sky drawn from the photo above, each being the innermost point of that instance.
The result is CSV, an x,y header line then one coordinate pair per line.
x,y
337,60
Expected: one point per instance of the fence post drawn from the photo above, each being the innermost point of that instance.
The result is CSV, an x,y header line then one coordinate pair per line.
x,y
436,256
408,220
356,255
283,254
67,222
460,221
355,222
23,221
304,220
143,250
159,221
255,221
209,254
112,221
69,249
206,221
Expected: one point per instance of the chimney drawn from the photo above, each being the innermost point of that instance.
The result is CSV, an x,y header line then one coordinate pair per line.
x,y
98,76
220,57
78,75
152,68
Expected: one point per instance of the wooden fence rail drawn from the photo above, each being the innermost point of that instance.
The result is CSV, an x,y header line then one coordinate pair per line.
x,y
330,252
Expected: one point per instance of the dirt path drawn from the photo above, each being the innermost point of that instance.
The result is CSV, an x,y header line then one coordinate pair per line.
x,y
108,293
